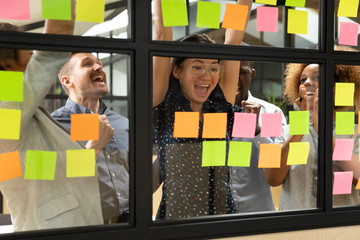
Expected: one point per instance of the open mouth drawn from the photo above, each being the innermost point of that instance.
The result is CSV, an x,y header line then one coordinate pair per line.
x,y
202,89
99,79
310,94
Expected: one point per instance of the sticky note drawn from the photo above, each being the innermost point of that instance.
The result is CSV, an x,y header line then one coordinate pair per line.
x,y
90,10
299,122
343,149
208,15
174,13
10,124
269,2
298,153
297,22
239,154
270,156
11,86
267,19
358,185
348,8
15,9
213,153
295,3
214,125
40,165
56,9
235,17
244,125
186,125
10,166
342,182
344,94
271,125
348,33
344,123
80,163
84,127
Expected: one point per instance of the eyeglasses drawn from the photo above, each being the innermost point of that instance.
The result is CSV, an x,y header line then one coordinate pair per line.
x,y
199,70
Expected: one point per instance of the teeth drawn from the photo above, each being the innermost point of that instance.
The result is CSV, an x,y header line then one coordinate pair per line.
x,y
99,78
204,85
310,93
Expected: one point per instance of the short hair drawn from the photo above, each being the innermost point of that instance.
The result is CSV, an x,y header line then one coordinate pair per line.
x,y
66,70
6,53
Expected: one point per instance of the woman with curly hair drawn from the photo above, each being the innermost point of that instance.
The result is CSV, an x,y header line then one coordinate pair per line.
x,y
300,183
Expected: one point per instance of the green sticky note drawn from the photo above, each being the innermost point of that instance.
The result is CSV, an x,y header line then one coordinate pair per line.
x,y
174,13
295,3
269,2
90,10
11,86
208,15
213,153
297,22
56,9
344,94
239,154
298,153
80,163
344,123
40,165
10,124
348,8
299,122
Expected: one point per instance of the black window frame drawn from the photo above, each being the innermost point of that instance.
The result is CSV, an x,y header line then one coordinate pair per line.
x,y
141,49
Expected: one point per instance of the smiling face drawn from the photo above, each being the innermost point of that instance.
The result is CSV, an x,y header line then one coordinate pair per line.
x,y
309,79
87,79
196,84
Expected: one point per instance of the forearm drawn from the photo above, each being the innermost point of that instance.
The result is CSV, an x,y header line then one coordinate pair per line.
x,y
161,33
276,176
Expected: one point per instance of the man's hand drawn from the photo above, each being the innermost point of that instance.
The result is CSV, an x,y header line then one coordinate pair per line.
x,y
106,133
251,107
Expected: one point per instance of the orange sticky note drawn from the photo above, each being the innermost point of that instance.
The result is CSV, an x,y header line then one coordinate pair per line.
x,y
186,125
358,185
270,156
10,166
214,125
235,16
84,127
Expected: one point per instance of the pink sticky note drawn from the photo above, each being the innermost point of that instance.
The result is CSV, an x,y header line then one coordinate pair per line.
x,y
343,149
267,19
342,182
271,124
348,34
244,125
15,9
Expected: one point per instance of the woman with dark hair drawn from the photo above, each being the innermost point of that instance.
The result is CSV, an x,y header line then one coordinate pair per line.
x,y
194,85
300,183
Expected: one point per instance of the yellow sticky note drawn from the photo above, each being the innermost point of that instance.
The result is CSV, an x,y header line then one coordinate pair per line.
x,y
186,125
297,22
10,166
90,10
214,125
80,163
239,154
344,94
269,2
10,123
213,153
40,165
298,153
270,156
344,123
11,86
348,8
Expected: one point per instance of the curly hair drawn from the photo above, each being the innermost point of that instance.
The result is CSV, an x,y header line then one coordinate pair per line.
x,y
342,73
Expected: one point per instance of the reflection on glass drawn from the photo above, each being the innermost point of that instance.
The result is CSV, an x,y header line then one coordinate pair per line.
x,y
268,25
35,203
346,166
112,20
346,25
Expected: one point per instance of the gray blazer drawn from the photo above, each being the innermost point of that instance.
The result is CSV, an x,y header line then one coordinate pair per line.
x,y
42,204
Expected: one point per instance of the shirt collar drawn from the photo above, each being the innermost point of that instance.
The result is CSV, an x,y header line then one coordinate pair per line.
x,y
81,109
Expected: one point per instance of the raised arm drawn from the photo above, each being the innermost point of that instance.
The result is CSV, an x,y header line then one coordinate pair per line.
x,y
61,26
161,65
229,79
